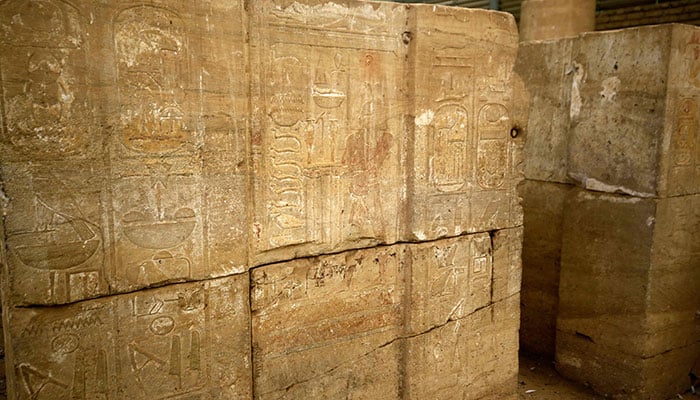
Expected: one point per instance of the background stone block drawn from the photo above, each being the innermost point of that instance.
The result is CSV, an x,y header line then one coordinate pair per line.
x,y
617,311
543,207
548,73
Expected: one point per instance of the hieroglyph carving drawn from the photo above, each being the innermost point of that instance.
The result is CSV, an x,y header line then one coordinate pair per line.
x,y
156,344
325,137
466,161
46,110
156,178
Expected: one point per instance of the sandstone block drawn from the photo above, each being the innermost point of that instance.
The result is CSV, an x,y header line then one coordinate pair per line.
x,y
328,89
554,19
636,131
627,118
543,207
466,160
546,69
627,302
189,340
123,157
424,311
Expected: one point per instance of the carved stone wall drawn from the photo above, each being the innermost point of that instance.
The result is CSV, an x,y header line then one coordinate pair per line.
x,y
611,244
259,199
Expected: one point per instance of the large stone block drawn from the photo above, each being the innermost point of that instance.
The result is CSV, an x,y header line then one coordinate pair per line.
x,y
154,143
543,207
328,126
425,312
190,340
124,146
466,159
616,111
627,299
546,70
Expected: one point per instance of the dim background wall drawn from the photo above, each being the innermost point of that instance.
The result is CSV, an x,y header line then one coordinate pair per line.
x,y
610,14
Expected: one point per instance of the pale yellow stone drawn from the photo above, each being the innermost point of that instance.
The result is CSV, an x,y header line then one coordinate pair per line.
x,y
189,340
465,162
425,312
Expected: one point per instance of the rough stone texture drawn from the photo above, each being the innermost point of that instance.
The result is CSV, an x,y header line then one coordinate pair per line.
x,y
123,146
146,160
549,87
624,130
199,146
189,340
465,163
427,313
543,207
627,319
554,19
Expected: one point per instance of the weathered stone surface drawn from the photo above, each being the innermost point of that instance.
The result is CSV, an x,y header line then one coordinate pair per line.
x,y
202,140
543,207
319,323
426,312
547,71
617,111
465,162
680,158
123,146
179,145
627,299
554,19
328,95
190,340
618,107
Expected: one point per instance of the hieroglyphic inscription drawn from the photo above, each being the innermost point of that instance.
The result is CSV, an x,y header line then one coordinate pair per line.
x,y
156,178
76,360
685,147
165,356
159,235
450,279
54,233
55,245
45,107
464,170
324,139
156,344
152,48
313,315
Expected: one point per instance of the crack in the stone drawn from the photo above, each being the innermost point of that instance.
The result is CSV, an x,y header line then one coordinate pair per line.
x,y
449,320
174,282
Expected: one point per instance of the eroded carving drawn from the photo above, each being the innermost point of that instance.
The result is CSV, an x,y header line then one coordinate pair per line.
x,y
152,48
46,111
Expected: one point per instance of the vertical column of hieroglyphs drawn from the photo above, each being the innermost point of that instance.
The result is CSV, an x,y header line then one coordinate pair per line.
x,y
682,164
188,340
449,280
52,162
155,169
465,160
327,116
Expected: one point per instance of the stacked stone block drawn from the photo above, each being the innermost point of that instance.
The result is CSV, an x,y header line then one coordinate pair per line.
x,y
614,155
234,200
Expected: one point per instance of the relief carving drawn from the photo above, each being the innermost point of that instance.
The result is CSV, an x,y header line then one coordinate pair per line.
x,y
45,108
152,59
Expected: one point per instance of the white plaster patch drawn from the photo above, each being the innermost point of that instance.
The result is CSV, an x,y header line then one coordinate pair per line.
x,y
425,118
579,75
610,88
